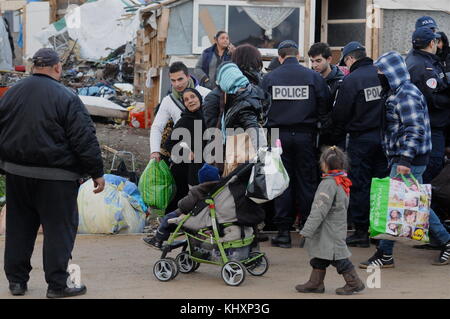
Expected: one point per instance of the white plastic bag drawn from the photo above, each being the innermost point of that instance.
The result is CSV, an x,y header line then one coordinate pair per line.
x,y
109,212
269,178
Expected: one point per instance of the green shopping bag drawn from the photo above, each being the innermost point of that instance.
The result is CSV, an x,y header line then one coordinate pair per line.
x,y
399,209
157,185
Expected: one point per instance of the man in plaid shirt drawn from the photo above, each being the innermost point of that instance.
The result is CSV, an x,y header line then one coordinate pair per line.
x,y
406,142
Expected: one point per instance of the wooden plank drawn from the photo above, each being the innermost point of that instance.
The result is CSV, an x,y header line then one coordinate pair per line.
x,y
324,23
369,28
53,10
307,29
12,5
208,24
341,21
377,33
163,26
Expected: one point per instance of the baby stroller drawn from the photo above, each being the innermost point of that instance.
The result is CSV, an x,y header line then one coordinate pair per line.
x,y
205,241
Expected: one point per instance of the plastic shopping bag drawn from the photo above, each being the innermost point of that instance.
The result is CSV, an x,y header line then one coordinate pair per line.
x,y
399,209
112,211
157,185
269,178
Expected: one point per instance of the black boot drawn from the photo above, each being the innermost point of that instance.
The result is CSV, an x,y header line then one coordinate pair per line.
x,y
283,239
66,292
360,238
17,289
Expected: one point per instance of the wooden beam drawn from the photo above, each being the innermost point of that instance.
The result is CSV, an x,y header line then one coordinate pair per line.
x,y
12,5
307,31
324,22
341,21
369,28
208,24
53,10
163,25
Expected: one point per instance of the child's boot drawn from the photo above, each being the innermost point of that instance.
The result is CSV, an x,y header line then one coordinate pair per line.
x,y
315,282
353,283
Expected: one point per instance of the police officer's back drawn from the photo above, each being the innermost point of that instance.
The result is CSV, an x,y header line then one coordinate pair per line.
x,y
300,99
358,104
357,112
428,74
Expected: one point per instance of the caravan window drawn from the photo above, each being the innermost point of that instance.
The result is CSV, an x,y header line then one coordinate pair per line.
x,y
263,26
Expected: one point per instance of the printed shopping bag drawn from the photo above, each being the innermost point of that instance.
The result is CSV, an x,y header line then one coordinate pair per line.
x,y
399,209
157,185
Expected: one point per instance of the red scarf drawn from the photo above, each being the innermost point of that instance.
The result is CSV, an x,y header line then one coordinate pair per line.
x,y
340,177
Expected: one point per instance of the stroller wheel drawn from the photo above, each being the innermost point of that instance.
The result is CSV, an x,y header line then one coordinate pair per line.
x,y
175,266
196,265
164,269
233,273
259,266
185,263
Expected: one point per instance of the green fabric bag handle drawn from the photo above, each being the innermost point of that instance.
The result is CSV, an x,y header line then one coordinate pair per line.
x,y
406,181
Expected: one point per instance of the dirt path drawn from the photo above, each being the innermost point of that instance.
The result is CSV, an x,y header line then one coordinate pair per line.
x,y
124,138
121,267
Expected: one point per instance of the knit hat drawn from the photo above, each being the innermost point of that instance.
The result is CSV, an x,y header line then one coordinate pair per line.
x,y
208,173
230,79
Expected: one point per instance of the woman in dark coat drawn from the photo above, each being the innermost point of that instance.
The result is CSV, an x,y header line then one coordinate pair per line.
x,y
185,162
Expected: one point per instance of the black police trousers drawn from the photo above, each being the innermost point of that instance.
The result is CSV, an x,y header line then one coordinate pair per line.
x,y
30,203
437,156
300,160
342,265
367,160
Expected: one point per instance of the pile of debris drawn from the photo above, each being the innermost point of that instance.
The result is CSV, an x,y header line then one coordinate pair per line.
x,y
110,78
99,69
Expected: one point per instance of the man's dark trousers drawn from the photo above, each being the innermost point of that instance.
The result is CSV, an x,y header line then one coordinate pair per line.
x,y
367,160
31,202
437,156
300,160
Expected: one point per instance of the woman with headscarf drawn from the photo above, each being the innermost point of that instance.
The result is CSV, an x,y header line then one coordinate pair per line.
x,y
187,150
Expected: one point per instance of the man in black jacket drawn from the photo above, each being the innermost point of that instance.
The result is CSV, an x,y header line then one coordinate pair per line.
x,y
357,112
320,57
300,100
47,143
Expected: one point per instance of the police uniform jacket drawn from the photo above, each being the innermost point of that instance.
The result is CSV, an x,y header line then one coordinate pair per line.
x,y
358,103
427,73
300,97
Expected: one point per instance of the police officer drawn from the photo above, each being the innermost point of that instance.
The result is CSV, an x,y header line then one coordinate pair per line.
x,y
357,114
426,21
300,100
428,74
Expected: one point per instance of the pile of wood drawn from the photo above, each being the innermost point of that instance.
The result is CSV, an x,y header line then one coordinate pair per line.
x,y
150,58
